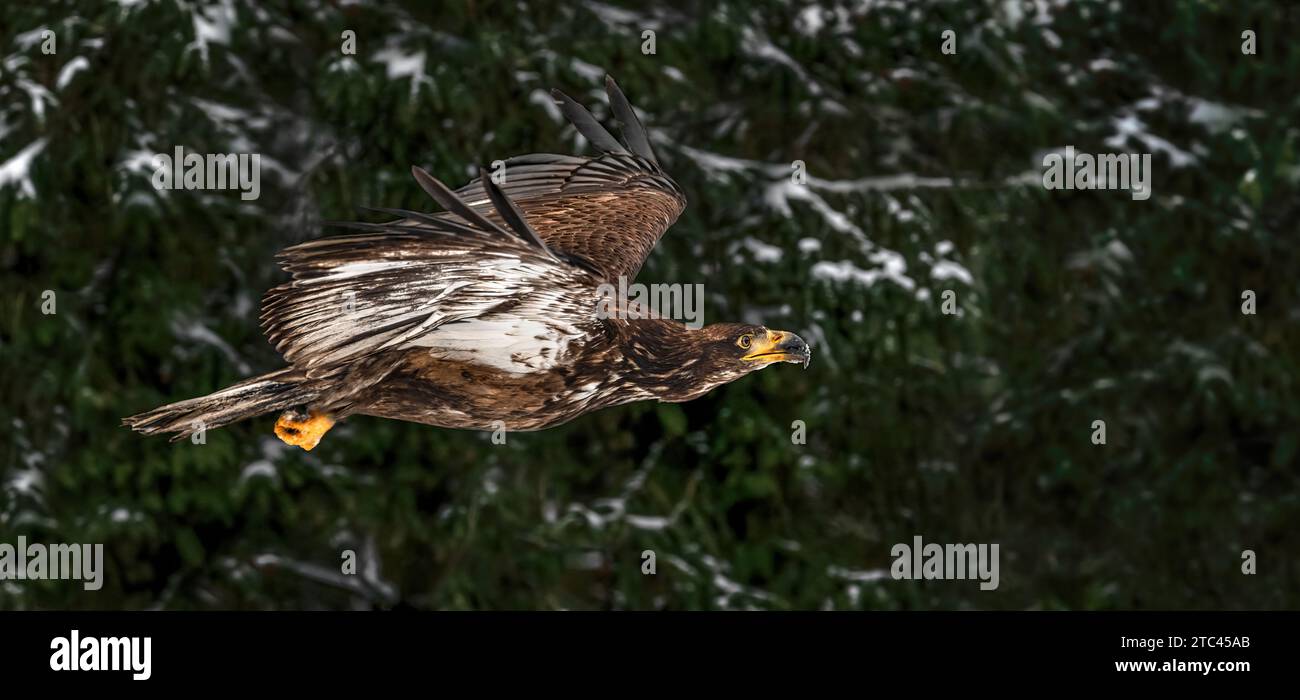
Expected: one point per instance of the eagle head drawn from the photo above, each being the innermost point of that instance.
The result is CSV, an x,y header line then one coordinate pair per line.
x,y
724,352
745,347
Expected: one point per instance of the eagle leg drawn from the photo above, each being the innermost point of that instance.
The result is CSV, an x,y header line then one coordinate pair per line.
x,y
302,428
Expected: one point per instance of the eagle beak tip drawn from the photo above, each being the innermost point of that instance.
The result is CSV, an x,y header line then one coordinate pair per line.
x,y
797,349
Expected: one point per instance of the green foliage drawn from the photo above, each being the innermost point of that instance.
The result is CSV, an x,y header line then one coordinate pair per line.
x,y
1075,306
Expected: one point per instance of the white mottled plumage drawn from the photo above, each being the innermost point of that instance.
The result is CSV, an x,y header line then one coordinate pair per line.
x,y
502,342
510,309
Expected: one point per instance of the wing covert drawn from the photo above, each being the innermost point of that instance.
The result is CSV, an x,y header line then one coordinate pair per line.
x,y
608,211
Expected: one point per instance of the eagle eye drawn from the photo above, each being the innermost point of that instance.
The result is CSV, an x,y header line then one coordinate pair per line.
x,y
745,340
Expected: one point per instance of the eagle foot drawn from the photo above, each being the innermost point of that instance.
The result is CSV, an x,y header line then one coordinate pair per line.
x,y
301,428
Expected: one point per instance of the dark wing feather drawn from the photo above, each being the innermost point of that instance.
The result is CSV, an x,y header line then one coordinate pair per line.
x,y
633,132
510,213
504,209
586,124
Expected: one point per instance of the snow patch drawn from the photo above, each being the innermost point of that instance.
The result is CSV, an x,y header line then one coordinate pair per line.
x,y
69,71
17,170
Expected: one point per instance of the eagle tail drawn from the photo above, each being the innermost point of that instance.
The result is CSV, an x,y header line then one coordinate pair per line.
x,y
252,397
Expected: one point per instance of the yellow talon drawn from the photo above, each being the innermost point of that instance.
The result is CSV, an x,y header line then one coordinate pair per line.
x,y
303,433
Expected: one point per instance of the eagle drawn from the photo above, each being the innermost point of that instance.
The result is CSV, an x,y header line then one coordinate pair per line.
x,y
488,315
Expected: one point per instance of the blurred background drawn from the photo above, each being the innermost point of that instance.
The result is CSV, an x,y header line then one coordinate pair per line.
x,y
924,175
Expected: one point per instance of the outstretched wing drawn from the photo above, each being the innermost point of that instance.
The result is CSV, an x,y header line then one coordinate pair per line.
x,y
606,213
460,285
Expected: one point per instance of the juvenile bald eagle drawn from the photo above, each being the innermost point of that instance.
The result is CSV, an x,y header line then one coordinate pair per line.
x,y
486,315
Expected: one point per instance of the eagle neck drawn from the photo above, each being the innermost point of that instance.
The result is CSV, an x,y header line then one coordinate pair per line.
x,y
659,356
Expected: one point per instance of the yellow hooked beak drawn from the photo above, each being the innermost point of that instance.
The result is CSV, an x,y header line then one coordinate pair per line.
x,y
779,346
